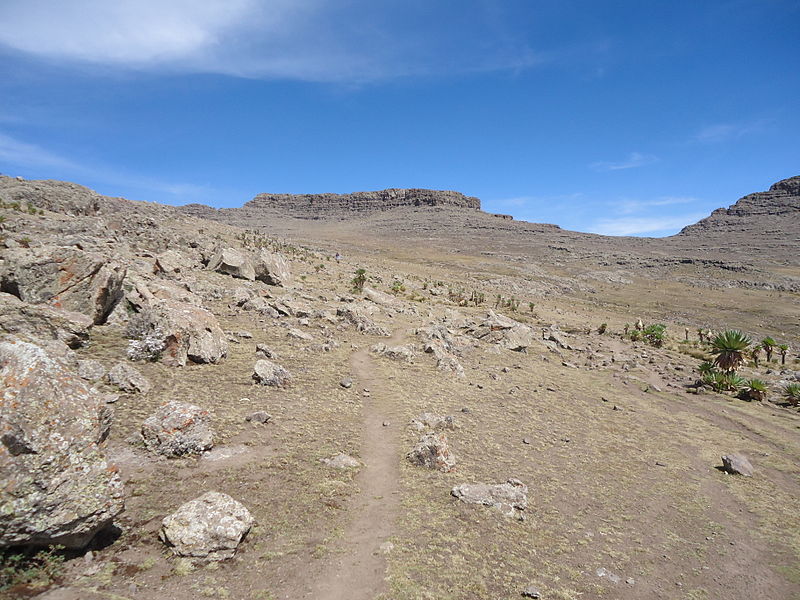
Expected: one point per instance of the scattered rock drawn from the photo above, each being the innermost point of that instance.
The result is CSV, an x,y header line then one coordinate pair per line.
x,y
91,370
57,485
128,379
234,263
258,417
299,335
268,373
432,421
272,268
178,428
511,498
613,578
41,322
341,461
531,592
526,440
433,452
737,464
346,383
210,527
266,351
401,353
360,316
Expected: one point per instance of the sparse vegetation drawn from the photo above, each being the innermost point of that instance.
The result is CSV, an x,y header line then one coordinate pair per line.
x,y
730,348
359,280
34,569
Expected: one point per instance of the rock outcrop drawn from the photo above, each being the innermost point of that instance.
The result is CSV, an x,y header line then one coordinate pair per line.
x,y
58,487
511,498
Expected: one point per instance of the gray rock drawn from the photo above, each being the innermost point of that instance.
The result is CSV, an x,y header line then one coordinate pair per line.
x,y
531,592
433,452
128,379
233,262
401,353
171,262
178,428
503,331
432,421
360,315
66,278
737,464
268,373
272,268
188,333
58,487
346,383
511,498
265,351
341,461
259,417
299,335
210,527
41,322
91,370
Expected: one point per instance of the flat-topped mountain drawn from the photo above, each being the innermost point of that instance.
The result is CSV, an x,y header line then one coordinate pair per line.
x,y
335,206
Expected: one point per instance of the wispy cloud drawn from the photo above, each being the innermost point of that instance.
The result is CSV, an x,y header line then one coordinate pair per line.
x,y
723,132
627,207
640,225
315,40
633,161
19,153
532,201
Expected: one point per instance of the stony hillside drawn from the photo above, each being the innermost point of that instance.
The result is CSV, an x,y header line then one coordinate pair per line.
x,y
459,406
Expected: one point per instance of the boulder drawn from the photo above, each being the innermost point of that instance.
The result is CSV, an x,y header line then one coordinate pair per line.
x,y
210,527
128,379
299,335
511,497
58,487
233,262
177,429
379,297
41,322
67,278
360,315
265,351
272,268
737,464
91,370
433,452
187,333
401,353
503,331
268,373
171,262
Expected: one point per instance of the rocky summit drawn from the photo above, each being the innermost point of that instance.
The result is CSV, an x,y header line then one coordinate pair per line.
x,y
394,395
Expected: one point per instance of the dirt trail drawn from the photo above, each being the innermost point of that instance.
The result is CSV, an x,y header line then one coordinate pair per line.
x,y
357,566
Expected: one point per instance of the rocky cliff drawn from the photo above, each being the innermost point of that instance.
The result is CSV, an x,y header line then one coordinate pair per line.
x,y
334,206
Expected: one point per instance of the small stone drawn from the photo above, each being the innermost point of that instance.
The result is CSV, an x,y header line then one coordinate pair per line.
x,y
618,408
259,417
526,440
465,410
346,383
531,592
737,464
630,581
660,464
341,461
386,423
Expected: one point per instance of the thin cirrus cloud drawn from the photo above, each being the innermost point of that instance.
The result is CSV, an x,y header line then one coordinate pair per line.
x,y
644,225
633,161
24,154
626,207
312,40
723,132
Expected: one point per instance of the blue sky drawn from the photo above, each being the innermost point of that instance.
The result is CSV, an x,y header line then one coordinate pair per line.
x,y
628,117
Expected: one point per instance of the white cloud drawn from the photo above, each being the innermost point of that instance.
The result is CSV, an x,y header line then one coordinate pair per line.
x,y
641,225
315,40
722,132
23,154
634,160
627,207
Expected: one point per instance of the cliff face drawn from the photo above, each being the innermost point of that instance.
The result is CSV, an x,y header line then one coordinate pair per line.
x,y
336,206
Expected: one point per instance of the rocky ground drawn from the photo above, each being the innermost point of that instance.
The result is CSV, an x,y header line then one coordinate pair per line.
x,y
199,410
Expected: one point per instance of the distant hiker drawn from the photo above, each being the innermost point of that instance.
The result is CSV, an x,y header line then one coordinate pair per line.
x,y
338,257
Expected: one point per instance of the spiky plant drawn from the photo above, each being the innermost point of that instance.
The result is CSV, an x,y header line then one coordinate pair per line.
x,y
655,334
784,350
705,368
754,390
768,344
791,392
715,380
730,347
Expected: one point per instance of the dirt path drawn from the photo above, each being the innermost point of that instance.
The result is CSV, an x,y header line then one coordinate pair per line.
x,y
357,566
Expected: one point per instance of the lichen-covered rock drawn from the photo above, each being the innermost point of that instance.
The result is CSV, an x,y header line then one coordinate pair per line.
x,y
57,486
433,452
41,322
234,263
503,331
433,421
400,353
268,373
128,379
210,527
187,333
67,278
737,464
272,268
177,429
511,498
91,370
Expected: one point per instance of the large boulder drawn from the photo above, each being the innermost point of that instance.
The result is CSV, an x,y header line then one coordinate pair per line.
x,y
177,429
40,322
511,498
181,332
57,486
360,315
503,331
433,452
233,262
399,353
68,278
268,373
210,527
272,268
737,464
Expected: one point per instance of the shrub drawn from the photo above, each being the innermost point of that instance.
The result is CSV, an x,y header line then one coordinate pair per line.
x,y
147,337
730,348
39,569
655,334
359,280
791,392
754,389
